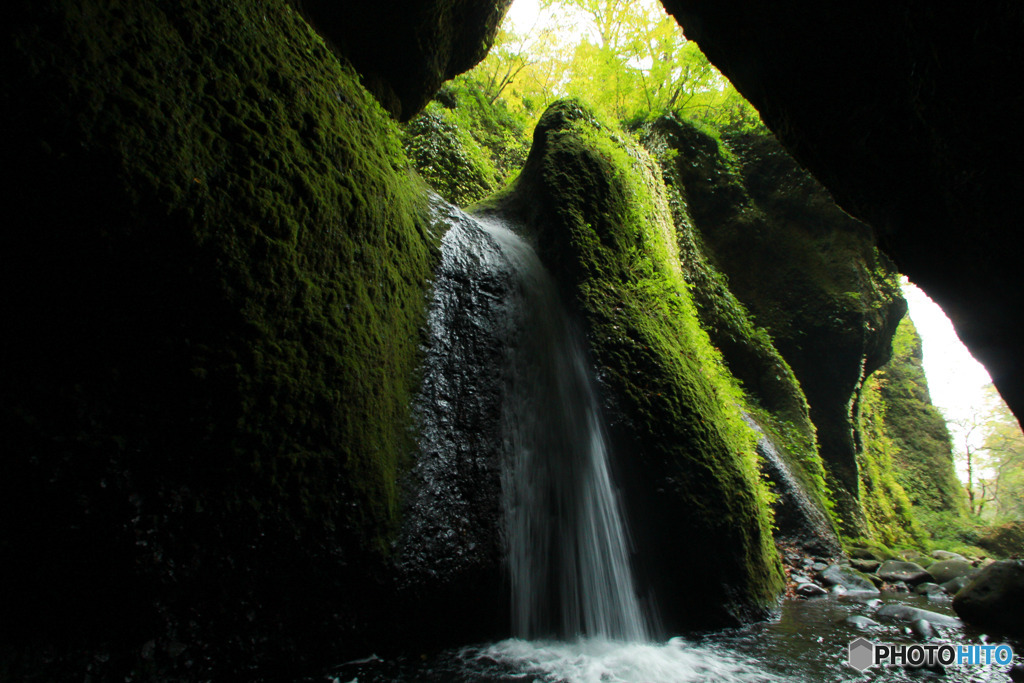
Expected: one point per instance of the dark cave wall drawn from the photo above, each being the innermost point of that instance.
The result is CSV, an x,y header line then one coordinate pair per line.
x,y
902,110
214,315
405,49
215,267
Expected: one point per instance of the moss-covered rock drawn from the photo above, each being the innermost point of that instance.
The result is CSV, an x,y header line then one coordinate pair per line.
x,y
215,271
1005,540
923,459
909,488
806,271
465,146
884,504
595,205
778,402
448,157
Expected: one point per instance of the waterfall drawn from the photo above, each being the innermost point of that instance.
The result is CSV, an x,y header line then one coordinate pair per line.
x,y
511,438
797,517
568,551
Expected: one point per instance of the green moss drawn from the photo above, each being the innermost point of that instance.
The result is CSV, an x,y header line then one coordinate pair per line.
x,y
448,157
887,508
951,530
596,206
224,258
924,456
774,395
909,491
465,146
807,273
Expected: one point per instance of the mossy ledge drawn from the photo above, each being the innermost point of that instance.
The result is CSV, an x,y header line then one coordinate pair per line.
x,y
215,267
594,202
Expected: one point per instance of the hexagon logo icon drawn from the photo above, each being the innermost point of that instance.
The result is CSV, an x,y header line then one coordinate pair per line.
x,y
862,654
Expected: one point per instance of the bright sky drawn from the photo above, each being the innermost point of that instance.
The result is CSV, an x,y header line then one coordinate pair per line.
x,y
955,379
523,14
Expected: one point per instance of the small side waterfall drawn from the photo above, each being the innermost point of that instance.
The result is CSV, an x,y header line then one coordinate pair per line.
x,y
798,518
568,550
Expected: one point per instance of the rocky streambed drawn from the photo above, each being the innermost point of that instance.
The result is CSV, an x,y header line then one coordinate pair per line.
x,y
913,597
831,602
869,571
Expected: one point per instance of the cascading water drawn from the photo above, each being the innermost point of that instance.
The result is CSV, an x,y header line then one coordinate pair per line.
x,y
507,388
506,382
512,438
568,551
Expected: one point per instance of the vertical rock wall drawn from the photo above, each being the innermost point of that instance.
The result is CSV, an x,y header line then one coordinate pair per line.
x,y
215,266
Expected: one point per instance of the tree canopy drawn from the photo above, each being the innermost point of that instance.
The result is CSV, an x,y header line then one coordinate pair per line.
x,y
628,58
990,450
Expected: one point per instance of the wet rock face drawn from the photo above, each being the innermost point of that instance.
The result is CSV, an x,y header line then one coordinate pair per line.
x,y
797,517
449,553
885,130
405,49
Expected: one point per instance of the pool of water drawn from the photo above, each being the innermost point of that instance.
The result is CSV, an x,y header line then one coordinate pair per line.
x,y
806,643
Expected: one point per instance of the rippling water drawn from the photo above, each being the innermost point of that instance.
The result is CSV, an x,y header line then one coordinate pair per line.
x,y
806,644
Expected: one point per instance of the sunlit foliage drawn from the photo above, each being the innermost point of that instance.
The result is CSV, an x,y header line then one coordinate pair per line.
x,y
625,57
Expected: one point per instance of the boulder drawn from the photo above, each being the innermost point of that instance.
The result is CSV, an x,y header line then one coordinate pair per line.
x,y
922,629
915,557
869,554
947,570
810,590
927,588
947,555
908,572
994,599
859,621
869,600
953,587
849,578
898,612
866,566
